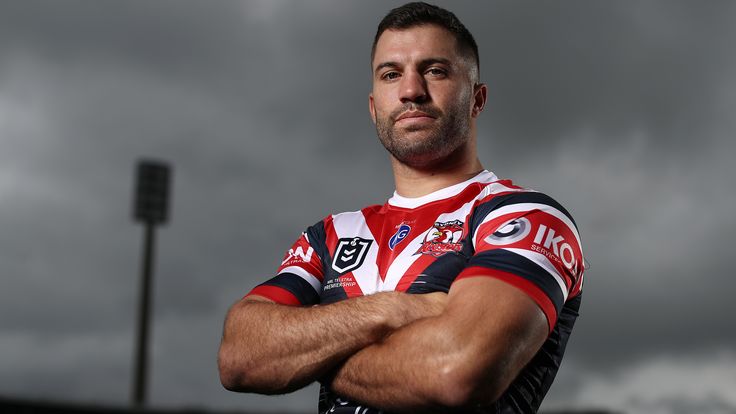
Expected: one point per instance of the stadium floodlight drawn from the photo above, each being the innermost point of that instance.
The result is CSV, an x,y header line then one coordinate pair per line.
x,y
152,192
151,207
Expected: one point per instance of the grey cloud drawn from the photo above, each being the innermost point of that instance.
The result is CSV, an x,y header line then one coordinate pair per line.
x,y
623,112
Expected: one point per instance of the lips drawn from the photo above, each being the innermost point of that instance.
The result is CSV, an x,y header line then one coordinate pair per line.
x,y
413,114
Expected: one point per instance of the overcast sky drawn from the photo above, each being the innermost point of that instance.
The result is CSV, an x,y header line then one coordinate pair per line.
x,y
625,112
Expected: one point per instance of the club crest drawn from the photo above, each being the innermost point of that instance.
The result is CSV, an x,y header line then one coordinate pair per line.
x,y
350,254
444,237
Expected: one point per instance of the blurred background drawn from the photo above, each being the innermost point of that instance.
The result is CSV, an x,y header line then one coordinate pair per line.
x,y
622,111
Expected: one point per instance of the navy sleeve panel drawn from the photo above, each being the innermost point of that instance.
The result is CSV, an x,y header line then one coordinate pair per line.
x,y
439,275
510,262
318,240
317,235
299,287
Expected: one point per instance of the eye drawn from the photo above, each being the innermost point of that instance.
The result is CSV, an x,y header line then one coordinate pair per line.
x,y
391,75
436,72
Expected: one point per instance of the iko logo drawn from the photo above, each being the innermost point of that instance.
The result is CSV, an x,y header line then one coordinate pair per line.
x,y
299,254
400,235
350,253
559,246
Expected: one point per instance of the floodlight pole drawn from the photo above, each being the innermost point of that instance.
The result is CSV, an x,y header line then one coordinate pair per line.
x,y
150,208
144,306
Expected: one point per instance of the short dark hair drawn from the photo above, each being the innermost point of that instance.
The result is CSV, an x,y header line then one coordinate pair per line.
x,y
420,13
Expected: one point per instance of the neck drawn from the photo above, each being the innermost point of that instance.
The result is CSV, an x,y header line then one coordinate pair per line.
x,y
415,182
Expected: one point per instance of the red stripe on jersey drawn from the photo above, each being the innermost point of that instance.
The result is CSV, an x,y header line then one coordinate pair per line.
x,y
544,302
350,285
330,235
376,223
509,184
414,271
276,294
578,286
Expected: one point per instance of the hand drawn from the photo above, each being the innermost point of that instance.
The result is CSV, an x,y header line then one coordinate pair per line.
x,y
409,308
434,302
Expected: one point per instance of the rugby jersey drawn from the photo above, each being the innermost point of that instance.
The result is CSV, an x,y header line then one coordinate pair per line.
x,y
481,227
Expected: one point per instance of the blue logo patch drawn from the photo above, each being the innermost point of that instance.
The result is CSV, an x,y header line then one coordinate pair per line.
x,y
400,234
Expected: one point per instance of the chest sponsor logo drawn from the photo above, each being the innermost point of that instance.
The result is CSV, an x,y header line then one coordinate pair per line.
x,y
510,232
400,235
444,237
350,254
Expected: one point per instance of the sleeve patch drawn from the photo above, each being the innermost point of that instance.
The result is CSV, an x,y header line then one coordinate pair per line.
x,y
539,232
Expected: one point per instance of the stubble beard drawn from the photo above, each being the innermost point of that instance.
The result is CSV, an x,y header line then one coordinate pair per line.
x,y
425,147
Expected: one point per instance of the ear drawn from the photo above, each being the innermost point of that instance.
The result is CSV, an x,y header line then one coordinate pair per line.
x,y
371,107
479,99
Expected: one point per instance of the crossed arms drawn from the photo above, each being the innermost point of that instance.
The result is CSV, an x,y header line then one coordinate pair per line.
x,y
393,351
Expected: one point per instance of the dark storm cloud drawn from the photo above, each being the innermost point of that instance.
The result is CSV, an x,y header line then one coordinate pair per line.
x,y
621,111
655,66
160,36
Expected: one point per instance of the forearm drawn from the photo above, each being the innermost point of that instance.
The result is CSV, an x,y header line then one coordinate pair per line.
x,y
270,348
465,357
394,377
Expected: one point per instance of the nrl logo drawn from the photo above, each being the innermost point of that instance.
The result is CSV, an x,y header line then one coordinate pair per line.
x,y
350,254
444,237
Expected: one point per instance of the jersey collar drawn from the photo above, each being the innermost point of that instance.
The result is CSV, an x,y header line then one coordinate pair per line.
x,y
484,176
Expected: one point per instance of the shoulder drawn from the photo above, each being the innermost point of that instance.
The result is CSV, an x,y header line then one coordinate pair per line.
x,y
365,211
503,198
345,219
526,218
356,217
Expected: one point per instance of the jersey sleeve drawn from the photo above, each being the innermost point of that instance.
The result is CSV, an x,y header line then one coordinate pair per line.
x,y
531,242
298,280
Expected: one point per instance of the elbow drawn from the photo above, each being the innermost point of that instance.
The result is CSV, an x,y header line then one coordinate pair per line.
x,y
232,372
231,382
238,373
465,385
243,368
234,363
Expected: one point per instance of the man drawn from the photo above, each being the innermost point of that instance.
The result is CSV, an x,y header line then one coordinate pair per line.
x,y
458,294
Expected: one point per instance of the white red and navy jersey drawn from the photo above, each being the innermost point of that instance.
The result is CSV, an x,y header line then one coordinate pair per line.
x,y
483,227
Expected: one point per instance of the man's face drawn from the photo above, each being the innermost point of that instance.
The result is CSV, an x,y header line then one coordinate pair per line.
x,y
423,95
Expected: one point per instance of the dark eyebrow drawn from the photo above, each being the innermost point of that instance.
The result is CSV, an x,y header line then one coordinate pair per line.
x,y
431,61
422,64
386,65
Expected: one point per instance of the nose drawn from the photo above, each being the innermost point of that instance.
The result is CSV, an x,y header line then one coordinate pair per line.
x,y
413,88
